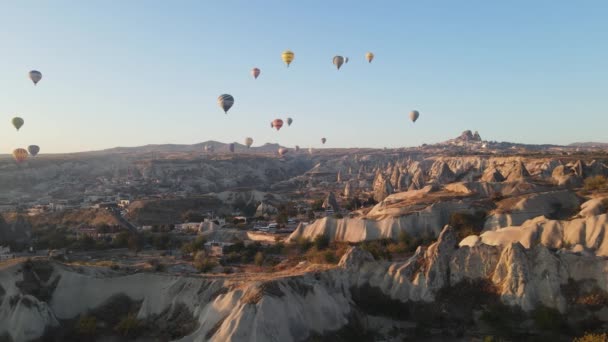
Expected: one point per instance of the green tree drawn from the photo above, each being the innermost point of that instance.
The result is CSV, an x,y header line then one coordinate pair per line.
x,y
122,239
595,182
87,325
136,243
128,327
321,241
259,258
161,241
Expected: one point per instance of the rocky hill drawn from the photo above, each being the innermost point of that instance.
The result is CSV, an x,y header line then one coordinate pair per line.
x,y
444,290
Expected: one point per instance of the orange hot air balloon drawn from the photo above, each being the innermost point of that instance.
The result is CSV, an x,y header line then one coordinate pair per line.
x,y
20,155
255,72
277,124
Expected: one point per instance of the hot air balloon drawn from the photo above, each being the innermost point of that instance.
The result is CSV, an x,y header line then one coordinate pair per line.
x,y
248,142
282,151
225,101
255,72
20,155
414,115
289,121
209,148
17,122
323,140
297,148
345,60
288,57
35,76
338,61
369,56
33,150
277,124
231,147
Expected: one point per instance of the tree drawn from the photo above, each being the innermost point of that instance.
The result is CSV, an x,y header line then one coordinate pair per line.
x,y
122,239
161,241
282,218
259,258
203,263
317,205
595,182
136,243
321,241
311,215
87,325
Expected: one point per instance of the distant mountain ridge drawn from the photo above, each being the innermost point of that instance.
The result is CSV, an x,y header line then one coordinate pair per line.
x,y
188,148
590,144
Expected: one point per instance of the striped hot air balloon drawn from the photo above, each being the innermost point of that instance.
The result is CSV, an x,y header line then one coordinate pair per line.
x,y
288,57
277,124
20,155
225,101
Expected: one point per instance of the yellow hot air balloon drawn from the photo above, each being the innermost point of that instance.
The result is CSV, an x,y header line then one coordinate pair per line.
x,y
369,56
288,57
20,155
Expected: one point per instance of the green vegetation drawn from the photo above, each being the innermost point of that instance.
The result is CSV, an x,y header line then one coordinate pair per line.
x,y
129,326
317,205
193,246
321,241
467,224
259,259
595,183
203,263
87,325
590,337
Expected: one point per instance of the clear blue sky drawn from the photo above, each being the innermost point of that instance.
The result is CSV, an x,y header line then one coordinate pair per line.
x,y
126,73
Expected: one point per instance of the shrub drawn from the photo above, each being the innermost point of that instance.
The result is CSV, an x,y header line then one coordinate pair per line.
x,y
467,224
259,258
330,257
203,263
303,244
589,337
546,318
321,241
595,182
128,327
87,325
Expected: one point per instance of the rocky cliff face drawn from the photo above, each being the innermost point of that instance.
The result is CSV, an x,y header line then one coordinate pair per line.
x,y
38,297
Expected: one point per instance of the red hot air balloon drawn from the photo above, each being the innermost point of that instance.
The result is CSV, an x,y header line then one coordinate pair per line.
x,y
277,124
255,72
